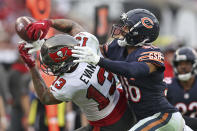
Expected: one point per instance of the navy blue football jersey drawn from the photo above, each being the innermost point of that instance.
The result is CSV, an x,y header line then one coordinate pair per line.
x,y
184,100
145,94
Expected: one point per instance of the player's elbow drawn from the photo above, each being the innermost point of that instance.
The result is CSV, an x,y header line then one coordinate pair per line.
x,y
45,100
48,99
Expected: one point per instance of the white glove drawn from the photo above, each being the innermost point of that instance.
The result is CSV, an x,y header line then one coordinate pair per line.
x,y
85,54
34,46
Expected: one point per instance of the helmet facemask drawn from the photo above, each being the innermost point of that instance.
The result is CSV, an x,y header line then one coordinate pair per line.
x,y
187,75
118,32
127,38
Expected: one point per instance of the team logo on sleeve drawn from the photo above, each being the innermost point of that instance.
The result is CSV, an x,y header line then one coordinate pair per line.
x,y
147,22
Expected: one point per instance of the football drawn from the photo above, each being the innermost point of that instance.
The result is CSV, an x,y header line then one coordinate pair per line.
x,y
20,26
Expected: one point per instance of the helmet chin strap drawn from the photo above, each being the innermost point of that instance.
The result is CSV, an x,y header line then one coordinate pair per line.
x,y
122,43
143,42
185,77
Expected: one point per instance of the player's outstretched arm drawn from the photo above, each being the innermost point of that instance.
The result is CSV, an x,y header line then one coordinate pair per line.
x,y
67,26
42,90
128,69
63,25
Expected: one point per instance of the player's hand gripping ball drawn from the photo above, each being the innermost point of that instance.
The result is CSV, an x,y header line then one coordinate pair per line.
x,y
20,26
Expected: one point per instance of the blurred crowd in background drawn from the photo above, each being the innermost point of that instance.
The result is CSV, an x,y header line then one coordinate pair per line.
x,y
20,110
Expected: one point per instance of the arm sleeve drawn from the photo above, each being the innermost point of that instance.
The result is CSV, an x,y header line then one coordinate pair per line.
x,y
110,48
131,70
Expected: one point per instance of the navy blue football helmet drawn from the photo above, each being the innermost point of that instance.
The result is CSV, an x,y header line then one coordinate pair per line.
x,y
185,54
142,24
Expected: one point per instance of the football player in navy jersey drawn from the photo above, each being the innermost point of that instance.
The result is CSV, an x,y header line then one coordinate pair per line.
x,y
183,87
139,66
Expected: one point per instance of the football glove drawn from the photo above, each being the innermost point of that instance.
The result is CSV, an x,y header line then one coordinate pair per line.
x,y
34,46
27,58
35,28
85,54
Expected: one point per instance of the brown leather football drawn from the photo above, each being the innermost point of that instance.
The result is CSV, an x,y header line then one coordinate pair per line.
x,y
20,25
